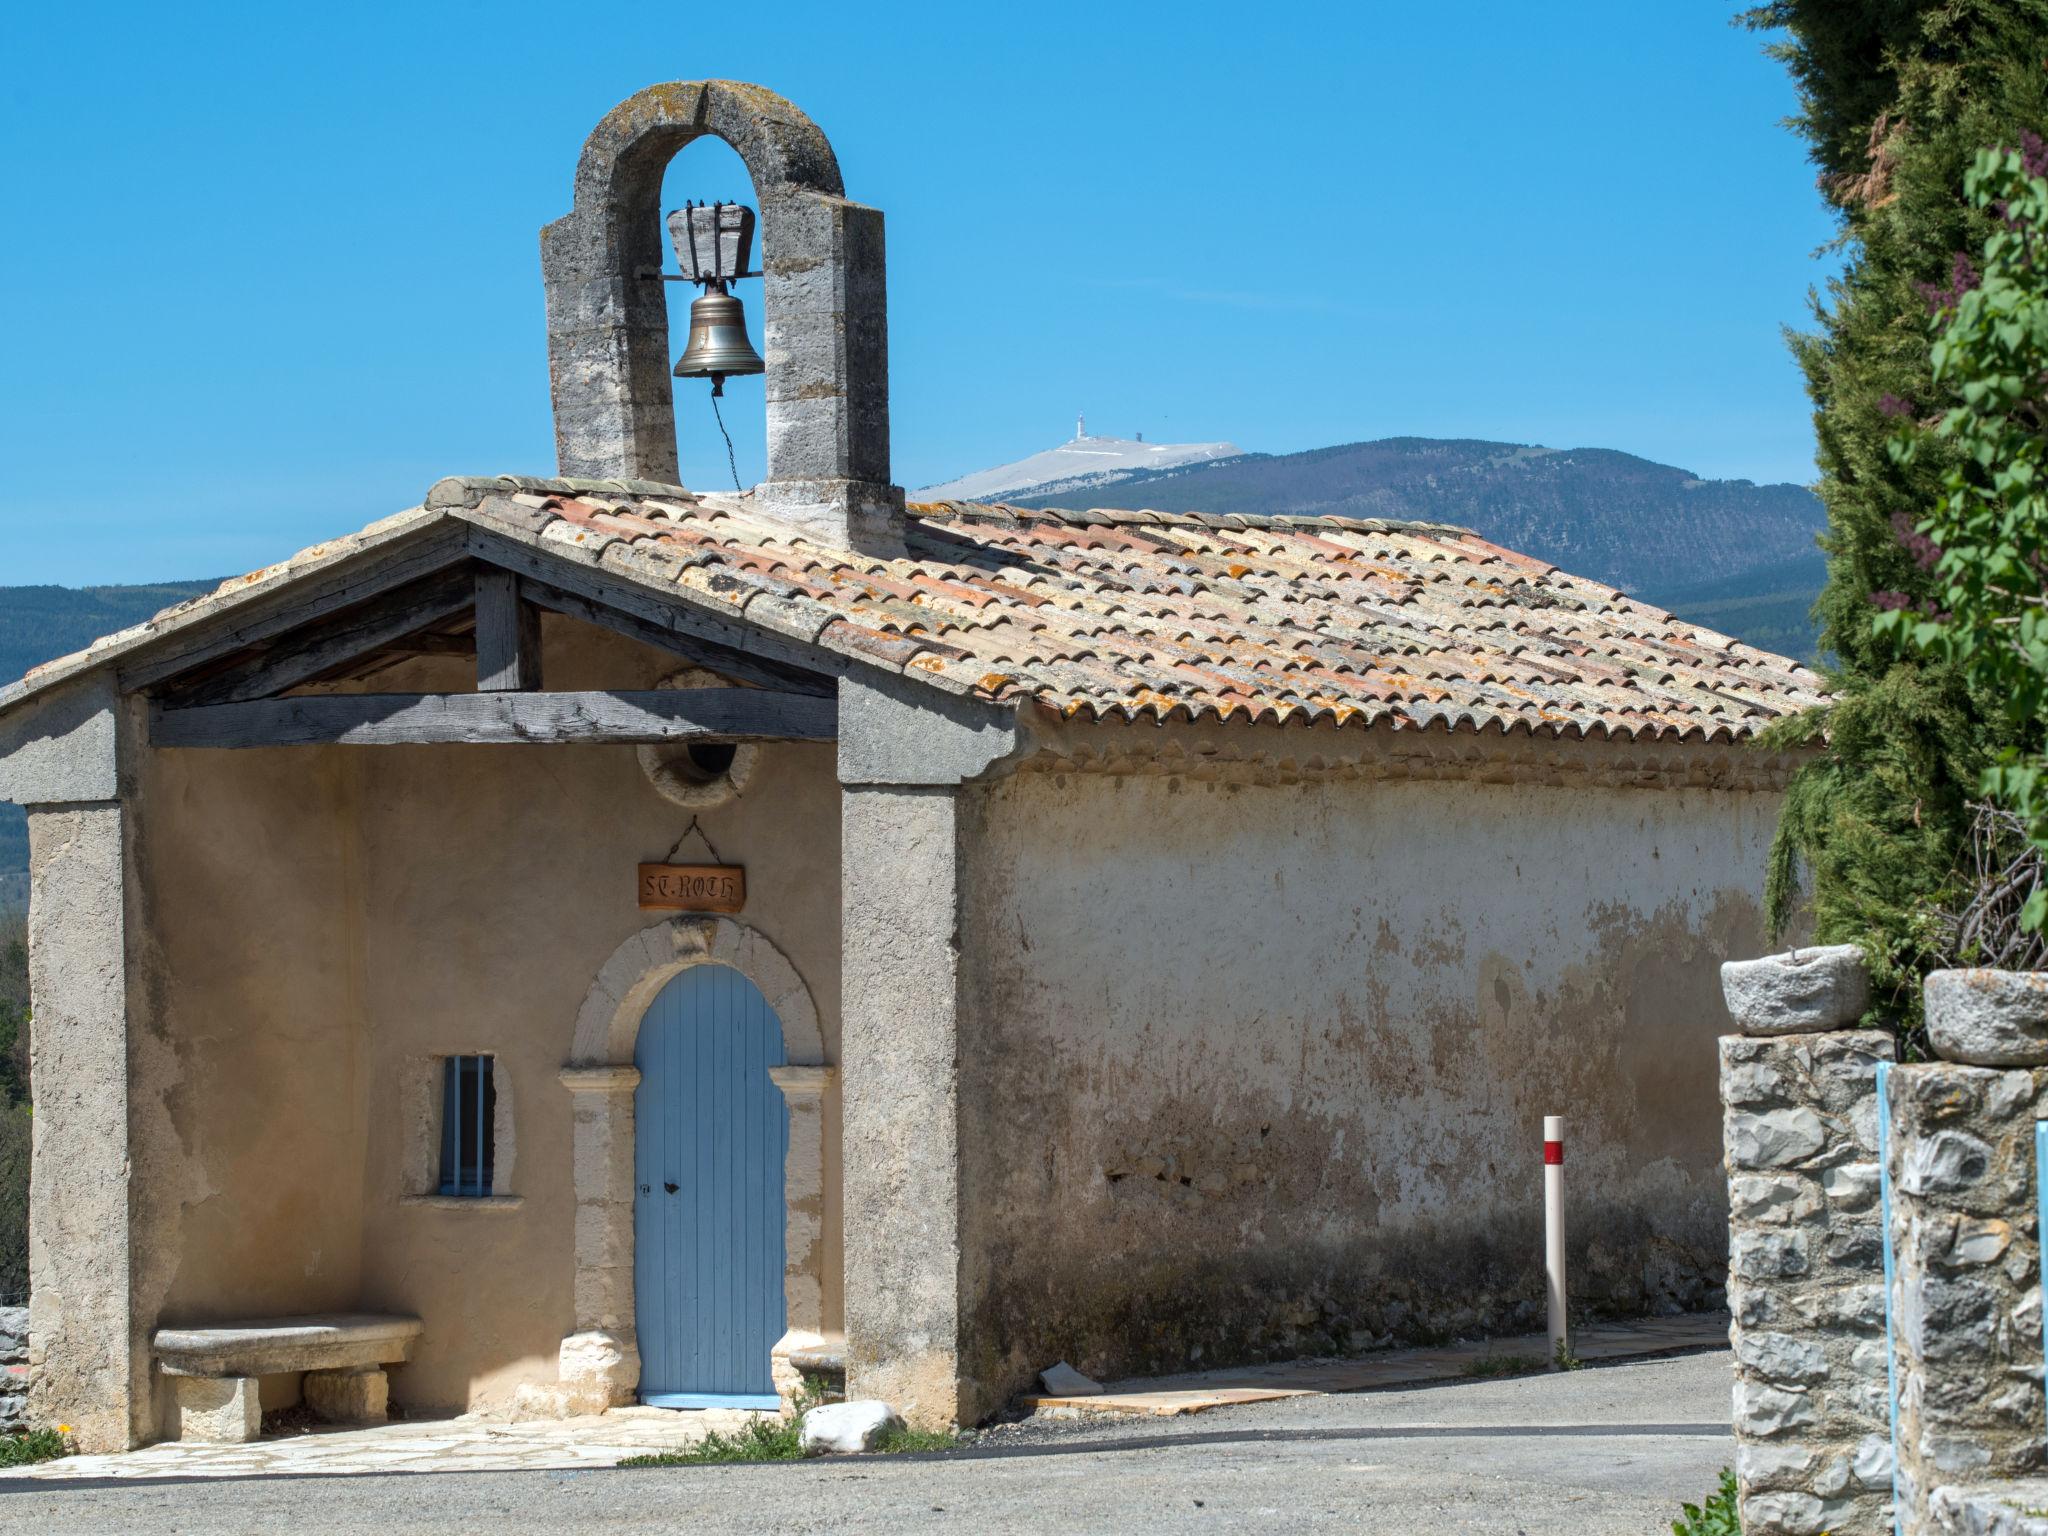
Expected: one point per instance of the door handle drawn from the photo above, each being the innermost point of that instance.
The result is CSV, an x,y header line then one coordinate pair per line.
x,y
668,1186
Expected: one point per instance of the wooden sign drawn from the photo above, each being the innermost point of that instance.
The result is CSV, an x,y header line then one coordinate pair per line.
x,y
692,887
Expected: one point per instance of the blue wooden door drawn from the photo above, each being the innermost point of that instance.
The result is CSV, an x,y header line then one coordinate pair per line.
x,y
710,1134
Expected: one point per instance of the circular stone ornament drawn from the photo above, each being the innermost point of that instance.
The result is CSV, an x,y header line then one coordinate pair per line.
x,y
698,774
1989,1018
1800,992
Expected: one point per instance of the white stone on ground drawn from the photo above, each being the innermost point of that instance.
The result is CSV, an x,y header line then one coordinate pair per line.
x,y
842,1429
1063,1380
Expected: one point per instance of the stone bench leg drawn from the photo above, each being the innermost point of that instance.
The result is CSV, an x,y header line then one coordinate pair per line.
x,y
219,1410
359,1396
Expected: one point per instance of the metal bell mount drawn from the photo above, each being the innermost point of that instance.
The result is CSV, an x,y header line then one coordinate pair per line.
x,y
712,244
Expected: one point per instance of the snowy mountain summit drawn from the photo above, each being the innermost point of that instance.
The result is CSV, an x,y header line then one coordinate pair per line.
x,y
1076,465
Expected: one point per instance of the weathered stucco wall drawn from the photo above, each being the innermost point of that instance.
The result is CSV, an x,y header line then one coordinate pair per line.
x,y
326,921
1260,1069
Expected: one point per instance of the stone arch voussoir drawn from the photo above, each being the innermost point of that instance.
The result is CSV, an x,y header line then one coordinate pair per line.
x,y
608,1024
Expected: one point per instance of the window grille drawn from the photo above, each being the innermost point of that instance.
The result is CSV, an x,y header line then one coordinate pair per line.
x,y
468,1102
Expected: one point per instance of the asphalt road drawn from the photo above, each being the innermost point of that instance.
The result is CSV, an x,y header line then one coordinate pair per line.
x,y
1600,1452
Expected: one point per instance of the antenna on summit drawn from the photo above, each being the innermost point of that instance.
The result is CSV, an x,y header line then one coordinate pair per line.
x,y
1080,426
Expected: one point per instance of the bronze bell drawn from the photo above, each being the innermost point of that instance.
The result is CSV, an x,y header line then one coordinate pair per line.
x,y
718,345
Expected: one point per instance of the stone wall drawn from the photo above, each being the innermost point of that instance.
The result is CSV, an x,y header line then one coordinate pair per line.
x,y
1259,1069
1954,1140
13,1368
1966,1257
1806,1265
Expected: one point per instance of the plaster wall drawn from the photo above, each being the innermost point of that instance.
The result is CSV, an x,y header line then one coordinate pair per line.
x,y
1259,1069
330,920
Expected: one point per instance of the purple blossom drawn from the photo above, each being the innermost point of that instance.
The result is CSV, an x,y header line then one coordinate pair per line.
x,y
1962,278
1925,551
1890,602
2033,154
1891,405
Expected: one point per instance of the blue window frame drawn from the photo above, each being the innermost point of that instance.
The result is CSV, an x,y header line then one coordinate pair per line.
x,y
468,1101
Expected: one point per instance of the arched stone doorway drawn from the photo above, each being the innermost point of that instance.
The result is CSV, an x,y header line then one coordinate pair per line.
x,y
599,1362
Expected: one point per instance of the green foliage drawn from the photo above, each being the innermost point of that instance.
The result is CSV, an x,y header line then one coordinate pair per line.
x,y
763,1439
32,1445
1486,1367
1716,1517
1985,541
14,1110
1896,97
1563,1358
906,1441
13,1007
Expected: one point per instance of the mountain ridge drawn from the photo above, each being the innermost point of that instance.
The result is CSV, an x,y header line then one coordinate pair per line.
x,y
1601,513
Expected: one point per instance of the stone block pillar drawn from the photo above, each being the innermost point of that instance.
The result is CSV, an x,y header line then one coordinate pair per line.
x,y
900,1060
1806,1263
803,1090
89,1358
1965,1230
599,1364
906,1036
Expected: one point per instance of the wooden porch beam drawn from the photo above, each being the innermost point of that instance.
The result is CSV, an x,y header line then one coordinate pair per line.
x,y
507,636
515,719
303,657
685,622
293,605
722,659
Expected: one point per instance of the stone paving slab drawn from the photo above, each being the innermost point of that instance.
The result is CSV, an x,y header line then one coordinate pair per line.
x,y
470,1443
1197,1391
481,1443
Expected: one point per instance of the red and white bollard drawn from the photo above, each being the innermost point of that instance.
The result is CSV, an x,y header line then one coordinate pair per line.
x,y
1553,1232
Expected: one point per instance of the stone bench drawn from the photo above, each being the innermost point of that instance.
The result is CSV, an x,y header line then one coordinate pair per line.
x,y
214,1369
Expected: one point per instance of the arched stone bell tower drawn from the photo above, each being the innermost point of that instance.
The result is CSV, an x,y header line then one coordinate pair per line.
x,y
825,308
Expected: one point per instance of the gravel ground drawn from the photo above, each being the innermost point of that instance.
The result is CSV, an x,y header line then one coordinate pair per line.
x,y
1599,1452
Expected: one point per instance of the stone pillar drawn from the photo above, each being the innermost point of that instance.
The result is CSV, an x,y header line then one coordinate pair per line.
x,y
906,1037
826,304
900,1053
1966,1241
803,1090
599,1364
63,757
1967,1277
1806,1265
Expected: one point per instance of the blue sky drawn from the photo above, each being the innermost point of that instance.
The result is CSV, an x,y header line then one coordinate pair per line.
x,y
274,269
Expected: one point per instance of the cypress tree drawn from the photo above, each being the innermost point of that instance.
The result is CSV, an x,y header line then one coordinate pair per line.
x,y
1896,98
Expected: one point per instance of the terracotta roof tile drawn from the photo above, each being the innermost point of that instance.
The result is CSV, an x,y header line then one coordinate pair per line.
x,y
1147,615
